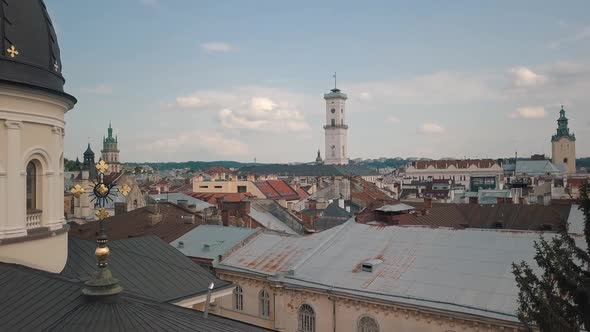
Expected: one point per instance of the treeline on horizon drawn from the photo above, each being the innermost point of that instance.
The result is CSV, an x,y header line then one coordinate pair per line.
x,y
70,165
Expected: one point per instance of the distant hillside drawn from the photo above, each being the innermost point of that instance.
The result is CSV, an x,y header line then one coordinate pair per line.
x,y
200,165
192,165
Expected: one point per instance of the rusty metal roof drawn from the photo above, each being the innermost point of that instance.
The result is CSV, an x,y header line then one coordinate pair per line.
x,y
466,271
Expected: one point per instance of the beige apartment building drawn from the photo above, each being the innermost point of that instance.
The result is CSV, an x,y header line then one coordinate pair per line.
x,y
363,278
227,187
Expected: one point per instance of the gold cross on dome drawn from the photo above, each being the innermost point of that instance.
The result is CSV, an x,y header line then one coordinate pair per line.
x,y
13,51
102,214
125,189
102,189
77,190
102,166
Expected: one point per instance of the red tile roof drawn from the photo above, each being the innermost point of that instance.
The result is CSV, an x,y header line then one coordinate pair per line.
x,y
465,163
215,198
277,189
218,170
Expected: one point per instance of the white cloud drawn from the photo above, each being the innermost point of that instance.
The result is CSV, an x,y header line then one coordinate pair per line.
x,y
217,47
365,96
211,142
101,89
529,112
250,108
432,128
433,89
524,77
393,119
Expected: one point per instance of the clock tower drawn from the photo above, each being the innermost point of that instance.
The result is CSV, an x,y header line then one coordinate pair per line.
x,y
336,129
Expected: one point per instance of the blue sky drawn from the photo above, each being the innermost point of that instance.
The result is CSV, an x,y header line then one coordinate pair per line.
x,y
211,80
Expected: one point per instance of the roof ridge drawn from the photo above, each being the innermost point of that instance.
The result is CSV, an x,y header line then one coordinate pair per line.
x,y
323,244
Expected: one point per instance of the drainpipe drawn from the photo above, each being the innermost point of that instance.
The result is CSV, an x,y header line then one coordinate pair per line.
x,y
333,310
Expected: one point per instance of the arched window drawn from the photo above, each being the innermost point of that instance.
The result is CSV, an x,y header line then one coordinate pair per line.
x,y
367,324
238,298
306,319
333,122
264,299
31,186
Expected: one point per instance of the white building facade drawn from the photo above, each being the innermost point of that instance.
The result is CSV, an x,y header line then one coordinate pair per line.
x,y
336,129
32,109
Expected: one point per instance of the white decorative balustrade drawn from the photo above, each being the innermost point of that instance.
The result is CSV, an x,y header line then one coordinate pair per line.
x,y
34,219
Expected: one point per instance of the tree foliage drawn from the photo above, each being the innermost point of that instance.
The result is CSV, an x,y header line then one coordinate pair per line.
x,y
556,299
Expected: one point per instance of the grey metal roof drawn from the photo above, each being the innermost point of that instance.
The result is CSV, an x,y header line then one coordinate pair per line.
x,y
269,221
175,197
279,212
219,239
535,167
575,220
466,271
396,208
34,300
144,265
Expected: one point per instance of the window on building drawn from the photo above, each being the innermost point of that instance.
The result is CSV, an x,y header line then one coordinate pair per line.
x,y
343,154
242,189
31,186
218,187
264,298
333,110
238,298
565,160
333,122
342,122
204,187
306,319
367,324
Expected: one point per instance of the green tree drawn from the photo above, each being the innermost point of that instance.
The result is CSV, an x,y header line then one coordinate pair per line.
x,y
557,298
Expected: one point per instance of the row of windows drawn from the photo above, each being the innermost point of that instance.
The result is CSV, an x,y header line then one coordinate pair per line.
x,y
305,316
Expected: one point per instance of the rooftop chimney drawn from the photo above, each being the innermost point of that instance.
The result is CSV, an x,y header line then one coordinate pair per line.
x,y
427,203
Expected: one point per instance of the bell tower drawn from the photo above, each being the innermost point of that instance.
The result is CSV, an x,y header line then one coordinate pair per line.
x,y
336,129
563,145
110,151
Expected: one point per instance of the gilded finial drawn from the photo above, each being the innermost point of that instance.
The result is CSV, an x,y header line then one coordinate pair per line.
x,y
125,189
102,167
77,190
12,51
102,214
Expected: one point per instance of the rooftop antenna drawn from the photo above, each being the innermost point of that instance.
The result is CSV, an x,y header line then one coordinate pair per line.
x,y
335,88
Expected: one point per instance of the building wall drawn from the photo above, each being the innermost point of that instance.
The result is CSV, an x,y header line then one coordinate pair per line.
x,y
32,129
564,153
342,314
226,187
459,175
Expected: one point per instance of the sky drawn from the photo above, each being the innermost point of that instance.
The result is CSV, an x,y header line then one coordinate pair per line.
x,y
238,80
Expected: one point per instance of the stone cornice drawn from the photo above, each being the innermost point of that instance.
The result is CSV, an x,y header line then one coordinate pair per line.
x,y
387,307
12,124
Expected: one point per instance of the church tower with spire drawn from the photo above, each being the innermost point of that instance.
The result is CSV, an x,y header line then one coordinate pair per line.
x,y
110,151
563,145
336,129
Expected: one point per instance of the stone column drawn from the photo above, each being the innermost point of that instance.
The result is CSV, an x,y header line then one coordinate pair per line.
x,y
13,222
54,178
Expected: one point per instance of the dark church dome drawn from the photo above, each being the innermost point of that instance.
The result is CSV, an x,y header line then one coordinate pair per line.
x,y
29,53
